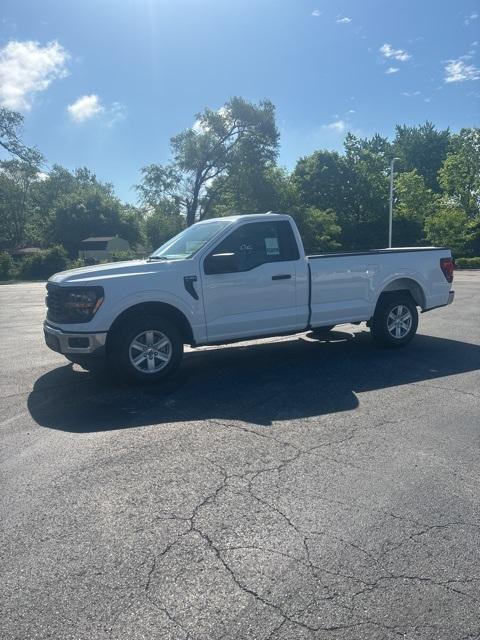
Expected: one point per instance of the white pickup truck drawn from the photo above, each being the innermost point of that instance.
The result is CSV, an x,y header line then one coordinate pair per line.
x,y
236,278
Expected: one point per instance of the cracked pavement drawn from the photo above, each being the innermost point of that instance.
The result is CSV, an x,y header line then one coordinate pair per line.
x,y
284,489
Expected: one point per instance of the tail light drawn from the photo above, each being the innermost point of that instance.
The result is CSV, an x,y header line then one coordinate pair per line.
x,y
447,265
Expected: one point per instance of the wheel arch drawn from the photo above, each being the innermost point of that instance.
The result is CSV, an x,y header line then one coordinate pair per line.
x,y
405,284
173,314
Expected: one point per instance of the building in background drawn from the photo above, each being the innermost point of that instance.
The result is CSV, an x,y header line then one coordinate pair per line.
x,y
100,248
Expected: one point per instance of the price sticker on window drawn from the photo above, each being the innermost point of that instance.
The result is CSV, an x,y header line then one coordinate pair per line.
x,y
271,247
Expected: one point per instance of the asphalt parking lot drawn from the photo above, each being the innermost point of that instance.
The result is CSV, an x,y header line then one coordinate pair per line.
x,y
289,489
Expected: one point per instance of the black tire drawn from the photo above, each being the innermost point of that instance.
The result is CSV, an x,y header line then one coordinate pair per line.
x,y
120,345
391,308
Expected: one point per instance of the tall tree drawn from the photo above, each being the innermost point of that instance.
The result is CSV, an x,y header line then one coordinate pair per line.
x,y
16,180
460,173
11,124
86,207
423,148
353,185
325,180
320,230
161,224
252,189
414,202
238,134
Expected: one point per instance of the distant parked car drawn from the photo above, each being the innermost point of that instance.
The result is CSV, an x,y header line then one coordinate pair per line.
x,y
100,248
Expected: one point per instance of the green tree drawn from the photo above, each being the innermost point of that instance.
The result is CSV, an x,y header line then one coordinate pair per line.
x,y
40,266
84,213
354,186
459,176
325,180
319,229
423,148
160,226
369,161
11,125
413,203
16,180
450,227
238,134
254,190
54,186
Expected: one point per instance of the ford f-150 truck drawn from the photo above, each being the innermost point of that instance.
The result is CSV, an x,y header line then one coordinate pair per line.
x,y
236,278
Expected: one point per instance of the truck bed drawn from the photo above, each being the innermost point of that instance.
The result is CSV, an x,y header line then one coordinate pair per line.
x,y
345,286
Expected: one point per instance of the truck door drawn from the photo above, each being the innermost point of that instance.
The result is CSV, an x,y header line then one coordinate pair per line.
x,y
249,282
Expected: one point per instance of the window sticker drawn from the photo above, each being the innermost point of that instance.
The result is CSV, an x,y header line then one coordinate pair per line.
x,y
271,247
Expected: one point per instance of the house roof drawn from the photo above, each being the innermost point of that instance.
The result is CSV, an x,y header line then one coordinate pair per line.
x,y
98,239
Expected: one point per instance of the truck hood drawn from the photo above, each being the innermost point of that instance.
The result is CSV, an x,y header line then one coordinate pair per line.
x,y
103,272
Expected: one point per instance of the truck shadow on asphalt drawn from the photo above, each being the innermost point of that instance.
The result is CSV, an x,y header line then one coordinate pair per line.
x,y
258,383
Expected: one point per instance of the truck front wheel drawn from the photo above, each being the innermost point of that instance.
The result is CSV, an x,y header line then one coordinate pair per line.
x,y
145,349
395,320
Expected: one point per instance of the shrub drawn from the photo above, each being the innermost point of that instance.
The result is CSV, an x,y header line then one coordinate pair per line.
x,y
6,265
121,256
78,263
468,263
41,265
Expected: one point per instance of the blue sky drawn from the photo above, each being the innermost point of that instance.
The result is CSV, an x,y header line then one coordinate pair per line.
x,y
106,83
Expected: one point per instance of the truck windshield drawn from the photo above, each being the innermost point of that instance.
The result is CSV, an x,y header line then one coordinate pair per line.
x,y
188,242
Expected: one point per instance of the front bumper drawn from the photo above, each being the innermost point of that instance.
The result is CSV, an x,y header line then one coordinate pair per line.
x,y
74,343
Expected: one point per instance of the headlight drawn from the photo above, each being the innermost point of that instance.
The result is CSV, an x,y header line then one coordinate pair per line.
x,y
73,304
84,303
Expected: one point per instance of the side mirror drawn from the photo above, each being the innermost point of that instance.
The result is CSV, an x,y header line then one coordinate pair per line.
x,y
221,263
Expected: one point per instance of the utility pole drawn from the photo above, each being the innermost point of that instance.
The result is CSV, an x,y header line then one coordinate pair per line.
x,y
390,217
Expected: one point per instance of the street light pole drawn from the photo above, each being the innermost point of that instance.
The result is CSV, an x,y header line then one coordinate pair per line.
x,y
390,217
390,211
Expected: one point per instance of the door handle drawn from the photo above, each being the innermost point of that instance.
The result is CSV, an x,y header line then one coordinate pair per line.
x,y
282,276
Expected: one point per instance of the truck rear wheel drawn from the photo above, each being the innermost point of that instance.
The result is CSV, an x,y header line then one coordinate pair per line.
x,y
395,320
145,349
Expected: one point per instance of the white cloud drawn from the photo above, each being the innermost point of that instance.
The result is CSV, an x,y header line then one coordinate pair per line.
x,y
343,20
85,107
459,71
338,126
91,106
26,68
316,13
471,18
412,94
397,54
392,70
116,113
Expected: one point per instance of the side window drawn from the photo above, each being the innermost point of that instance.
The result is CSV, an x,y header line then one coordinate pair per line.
x,y
251,245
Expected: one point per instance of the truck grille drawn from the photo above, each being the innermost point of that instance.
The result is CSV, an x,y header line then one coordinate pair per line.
x,y
55,303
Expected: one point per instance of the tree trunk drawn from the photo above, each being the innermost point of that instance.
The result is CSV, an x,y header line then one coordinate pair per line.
x,y
193,205
190,214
